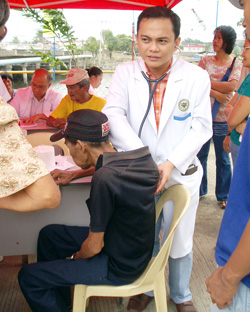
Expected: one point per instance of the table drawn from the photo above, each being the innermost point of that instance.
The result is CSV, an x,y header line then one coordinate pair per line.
x,y
40,126
19,230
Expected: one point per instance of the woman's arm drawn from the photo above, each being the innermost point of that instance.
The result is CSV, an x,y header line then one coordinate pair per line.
x,y
43,193
224,86
240,111
220,97
231,104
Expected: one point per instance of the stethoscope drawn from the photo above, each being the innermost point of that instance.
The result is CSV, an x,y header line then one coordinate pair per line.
x,y
155,81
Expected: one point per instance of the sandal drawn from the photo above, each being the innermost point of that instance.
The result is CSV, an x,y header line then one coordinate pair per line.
x,y
138,303
223,204
187,306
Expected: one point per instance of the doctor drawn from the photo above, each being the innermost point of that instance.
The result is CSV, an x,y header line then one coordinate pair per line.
x,y
176,127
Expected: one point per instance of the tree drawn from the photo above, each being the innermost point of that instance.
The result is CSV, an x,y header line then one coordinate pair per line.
x,y
110,42
55,23
124,43
240,22
92,45
38,37
15,40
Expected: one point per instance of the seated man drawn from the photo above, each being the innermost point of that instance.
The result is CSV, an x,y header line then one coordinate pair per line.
x,y
118,245
78,97
38,100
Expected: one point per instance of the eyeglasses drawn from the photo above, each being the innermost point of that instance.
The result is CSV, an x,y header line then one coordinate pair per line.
x,y
33,85
4,34
245,48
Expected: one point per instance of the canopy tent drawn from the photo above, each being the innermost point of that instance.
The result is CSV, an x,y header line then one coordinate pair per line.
x,y
90,4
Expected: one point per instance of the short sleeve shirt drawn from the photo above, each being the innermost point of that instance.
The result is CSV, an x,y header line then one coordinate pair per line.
x,y
19,164
216,73
121,204
67,106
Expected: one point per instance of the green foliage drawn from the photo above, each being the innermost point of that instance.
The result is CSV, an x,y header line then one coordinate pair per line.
x,y
55,24
38,37
110,42
191,41
124,43
50,59
92,45
239,23
15,40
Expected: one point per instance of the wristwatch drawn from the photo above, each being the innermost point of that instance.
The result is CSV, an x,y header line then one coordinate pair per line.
x,y
228,133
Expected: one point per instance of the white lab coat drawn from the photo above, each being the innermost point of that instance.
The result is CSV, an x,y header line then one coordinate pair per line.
x,y
185,125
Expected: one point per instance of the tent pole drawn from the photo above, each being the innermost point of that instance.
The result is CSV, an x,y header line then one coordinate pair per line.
x,y
26,4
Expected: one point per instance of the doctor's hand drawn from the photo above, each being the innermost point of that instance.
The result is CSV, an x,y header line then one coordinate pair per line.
x,y
165,171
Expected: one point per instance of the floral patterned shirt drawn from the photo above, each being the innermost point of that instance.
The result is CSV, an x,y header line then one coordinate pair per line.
x,y
216,73
19,164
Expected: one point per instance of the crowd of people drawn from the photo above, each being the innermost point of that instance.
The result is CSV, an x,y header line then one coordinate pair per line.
x,y
159,115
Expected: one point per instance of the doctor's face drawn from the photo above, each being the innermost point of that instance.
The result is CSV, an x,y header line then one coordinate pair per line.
x,y
156,44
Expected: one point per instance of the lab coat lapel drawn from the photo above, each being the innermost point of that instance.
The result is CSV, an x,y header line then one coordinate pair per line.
x,y
142,90
173,89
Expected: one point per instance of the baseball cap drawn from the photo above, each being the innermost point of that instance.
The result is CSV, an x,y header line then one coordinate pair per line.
x,y
74,76
85,125
237,3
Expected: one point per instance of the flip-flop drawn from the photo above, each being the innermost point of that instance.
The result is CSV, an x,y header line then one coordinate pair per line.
x,y
138,303
187,306
223,204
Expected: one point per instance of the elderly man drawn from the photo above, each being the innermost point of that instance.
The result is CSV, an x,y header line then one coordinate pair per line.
x,y
78,97
229,285
121,207
38,100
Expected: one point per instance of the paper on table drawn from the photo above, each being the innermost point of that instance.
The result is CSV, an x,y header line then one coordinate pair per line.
x,y
62,163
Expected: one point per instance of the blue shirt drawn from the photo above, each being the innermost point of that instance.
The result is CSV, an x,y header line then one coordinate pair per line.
x,y
237,212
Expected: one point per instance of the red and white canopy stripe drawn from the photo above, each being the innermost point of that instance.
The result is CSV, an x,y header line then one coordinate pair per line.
x,y
91,4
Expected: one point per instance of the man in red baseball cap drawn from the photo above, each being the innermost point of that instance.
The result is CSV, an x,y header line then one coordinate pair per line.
x,y
78,97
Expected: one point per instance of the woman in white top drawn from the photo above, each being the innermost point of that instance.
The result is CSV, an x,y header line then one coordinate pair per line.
x,y
95,75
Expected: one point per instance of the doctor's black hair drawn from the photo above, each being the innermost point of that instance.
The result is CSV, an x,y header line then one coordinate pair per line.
x,y
161,12
4,12
229,37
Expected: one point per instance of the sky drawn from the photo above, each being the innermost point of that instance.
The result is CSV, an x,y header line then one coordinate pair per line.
x,y
88,23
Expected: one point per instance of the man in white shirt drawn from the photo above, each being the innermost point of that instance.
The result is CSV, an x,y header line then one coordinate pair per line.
x,y
38,100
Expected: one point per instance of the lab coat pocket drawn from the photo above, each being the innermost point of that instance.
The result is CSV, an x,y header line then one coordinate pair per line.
x,y
182,118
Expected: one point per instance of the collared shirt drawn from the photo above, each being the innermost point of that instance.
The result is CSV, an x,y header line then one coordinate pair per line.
x,y
67,106
27,105
158,95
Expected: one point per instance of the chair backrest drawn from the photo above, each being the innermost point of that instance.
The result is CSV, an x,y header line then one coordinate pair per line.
x,y
43,138
180,195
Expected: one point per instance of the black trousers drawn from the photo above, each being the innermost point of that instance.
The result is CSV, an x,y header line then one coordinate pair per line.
x,y
46,284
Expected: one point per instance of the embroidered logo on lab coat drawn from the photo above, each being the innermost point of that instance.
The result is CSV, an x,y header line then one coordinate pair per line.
x,y
183,105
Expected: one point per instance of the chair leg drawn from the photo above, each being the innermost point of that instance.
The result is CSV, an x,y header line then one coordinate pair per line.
x,y
80,301
160,294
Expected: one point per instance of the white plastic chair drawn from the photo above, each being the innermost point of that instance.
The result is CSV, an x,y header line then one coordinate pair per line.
x,y
43,138
153,278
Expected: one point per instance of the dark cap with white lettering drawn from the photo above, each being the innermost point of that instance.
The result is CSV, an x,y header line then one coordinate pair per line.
x,y
85,125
